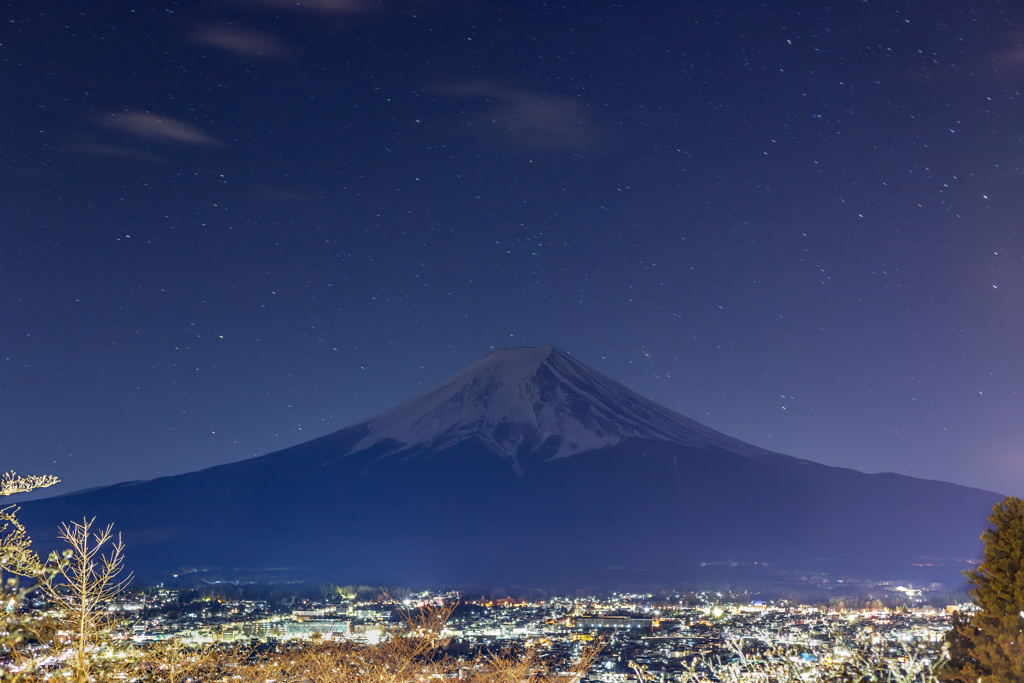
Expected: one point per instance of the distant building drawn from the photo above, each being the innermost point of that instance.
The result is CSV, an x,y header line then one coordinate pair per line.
x,y
125,606
624,623
300,614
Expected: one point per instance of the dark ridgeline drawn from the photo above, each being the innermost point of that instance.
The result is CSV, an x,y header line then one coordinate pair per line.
x,y
530,468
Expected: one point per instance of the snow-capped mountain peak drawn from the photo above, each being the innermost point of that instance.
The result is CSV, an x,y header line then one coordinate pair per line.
x,y
529,397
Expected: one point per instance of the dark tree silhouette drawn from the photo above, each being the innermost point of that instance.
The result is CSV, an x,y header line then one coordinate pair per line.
x,y
988,644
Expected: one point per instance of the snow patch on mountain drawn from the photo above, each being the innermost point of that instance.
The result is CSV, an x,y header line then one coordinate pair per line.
x,y
532,397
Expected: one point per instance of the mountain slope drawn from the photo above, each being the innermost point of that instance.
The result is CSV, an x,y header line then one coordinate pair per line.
x,y
529,467
536,398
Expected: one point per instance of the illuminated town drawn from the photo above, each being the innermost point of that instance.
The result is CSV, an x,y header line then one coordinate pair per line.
x,y
667,637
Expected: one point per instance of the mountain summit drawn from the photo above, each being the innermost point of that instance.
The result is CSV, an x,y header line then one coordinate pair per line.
x,y
530,468
536,399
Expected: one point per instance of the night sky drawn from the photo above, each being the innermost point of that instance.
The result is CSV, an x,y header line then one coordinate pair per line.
x,y
233,226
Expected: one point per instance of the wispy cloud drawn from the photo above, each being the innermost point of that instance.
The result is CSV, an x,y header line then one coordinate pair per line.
x,y
116,152
241,41
1004,59
155,127
525,117
1013,56
327,6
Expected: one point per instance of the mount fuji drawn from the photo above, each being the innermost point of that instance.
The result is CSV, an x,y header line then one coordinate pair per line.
x,y
535,399
528,467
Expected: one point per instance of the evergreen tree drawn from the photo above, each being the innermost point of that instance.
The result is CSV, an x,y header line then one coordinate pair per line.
x,y
988,645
